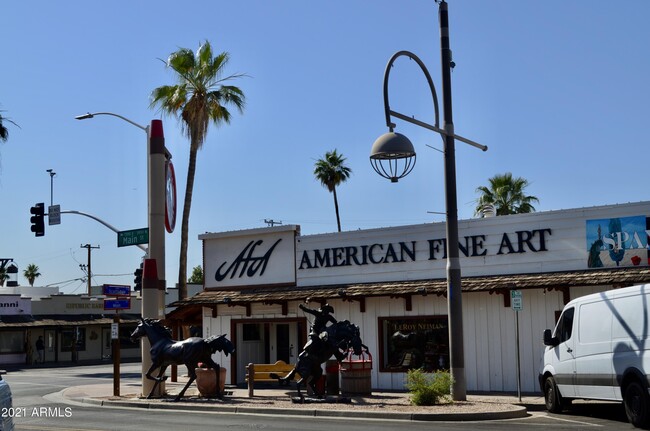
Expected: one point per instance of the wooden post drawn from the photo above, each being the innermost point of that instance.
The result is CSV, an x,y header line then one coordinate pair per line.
x,y
250,370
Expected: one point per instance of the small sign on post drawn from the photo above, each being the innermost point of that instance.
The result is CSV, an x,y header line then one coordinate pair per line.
x,y
115,331
516,300
54,214
116,290
117,304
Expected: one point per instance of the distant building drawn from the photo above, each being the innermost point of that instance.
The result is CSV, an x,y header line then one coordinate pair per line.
x,y
74,327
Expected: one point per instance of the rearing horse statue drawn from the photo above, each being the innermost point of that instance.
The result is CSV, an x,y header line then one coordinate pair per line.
x,y
341,337
165,351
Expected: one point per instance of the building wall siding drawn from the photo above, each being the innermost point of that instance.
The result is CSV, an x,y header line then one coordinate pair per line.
x,y
489,333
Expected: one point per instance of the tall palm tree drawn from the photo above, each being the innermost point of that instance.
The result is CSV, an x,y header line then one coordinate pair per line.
x,y
331,171
198,99
31,273
506,195
4,132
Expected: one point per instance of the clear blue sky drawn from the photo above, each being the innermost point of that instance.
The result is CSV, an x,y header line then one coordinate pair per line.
x,y
558,91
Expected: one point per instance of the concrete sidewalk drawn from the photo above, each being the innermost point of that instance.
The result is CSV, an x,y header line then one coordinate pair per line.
x,y
278,401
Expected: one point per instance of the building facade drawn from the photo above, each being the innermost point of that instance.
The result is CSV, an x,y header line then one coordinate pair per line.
x,y
74,328
392,283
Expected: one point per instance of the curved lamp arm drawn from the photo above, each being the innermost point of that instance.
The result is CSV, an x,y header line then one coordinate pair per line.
x,y
89,115
387,109
436,126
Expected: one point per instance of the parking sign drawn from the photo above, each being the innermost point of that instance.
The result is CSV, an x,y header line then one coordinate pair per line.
x,y
516,300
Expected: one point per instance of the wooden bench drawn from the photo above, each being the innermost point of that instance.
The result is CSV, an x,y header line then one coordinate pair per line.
x,y
267,373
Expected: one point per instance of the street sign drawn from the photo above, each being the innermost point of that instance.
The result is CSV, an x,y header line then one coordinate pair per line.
x,y
133,237
516,300
116,290
115,331
54,214
117,304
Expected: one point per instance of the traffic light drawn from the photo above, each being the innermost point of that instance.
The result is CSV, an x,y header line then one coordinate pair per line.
x,y
38,219
137,281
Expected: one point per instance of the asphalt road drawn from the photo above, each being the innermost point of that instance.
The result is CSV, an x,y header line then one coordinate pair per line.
x,y
36,400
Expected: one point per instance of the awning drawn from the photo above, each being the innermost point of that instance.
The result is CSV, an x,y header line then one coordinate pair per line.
x,y
63,320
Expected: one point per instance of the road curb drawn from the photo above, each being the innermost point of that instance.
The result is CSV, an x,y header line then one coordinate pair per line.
x,y
516,412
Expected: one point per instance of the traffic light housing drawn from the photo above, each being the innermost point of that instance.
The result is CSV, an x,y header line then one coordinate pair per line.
x,y
137,281
38,219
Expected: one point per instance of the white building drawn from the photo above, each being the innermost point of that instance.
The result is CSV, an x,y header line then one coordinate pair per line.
x,y
392,283
74,327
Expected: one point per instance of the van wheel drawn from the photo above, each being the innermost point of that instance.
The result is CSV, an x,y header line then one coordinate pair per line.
x,y
636,405
552,396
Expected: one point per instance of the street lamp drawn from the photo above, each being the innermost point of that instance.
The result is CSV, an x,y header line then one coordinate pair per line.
x,y
153,300
393,156
52,174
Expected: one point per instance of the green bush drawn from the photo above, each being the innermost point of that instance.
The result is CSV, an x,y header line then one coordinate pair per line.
x,y
428,389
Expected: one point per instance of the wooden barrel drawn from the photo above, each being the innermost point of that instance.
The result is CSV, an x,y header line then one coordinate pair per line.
x,y
356,377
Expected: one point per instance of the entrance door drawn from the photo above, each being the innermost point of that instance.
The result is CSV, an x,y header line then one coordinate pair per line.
x,y
250,347
50,345
284,346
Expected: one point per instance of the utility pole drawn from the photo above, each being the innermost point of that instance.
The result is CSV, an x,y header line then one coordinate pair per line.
x,y
89,248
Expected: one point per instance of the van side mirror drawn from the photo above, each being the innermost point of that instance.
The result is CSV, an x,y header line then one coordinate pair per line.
x,y
548,340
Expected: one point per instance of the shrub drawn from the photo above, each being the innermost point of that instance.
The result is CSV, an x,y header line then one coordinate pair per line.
x,y
428,389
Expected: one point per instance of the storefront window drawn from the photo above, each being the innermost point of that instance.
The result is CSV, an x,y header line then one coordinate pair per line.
x,y
251,332
12,342
67,337
413,342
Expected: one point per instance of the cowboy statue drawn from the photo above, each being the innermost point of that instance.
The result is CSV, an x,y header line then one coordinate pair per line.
x,y
317,332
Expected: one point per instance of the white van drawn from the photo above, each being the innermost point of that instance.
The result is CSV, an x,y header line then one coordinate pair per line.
x,y
600,349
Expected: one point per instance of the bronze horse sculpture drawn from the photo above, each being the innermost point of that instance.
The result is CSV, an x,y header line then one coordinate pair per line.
x,y
341,337
165,351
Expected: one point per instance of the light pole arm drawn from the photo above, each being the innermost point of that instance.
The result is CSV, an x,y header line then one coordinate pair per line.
x,y
113,228
89,115
436,129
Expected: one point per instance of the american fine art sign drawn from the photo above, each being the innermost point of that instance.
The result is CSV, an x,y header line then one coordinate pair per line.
x,y
566,240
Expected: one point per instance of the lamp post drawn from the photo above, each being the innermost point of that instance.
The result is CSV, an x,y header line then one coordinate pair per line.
x,y
52,174
153,300
393,157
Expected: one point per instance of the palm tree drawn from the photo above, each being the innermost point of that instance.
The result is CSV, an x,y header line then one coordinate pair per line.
x,y
506,195
198,99
3,275
4,132
331,171
31,273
